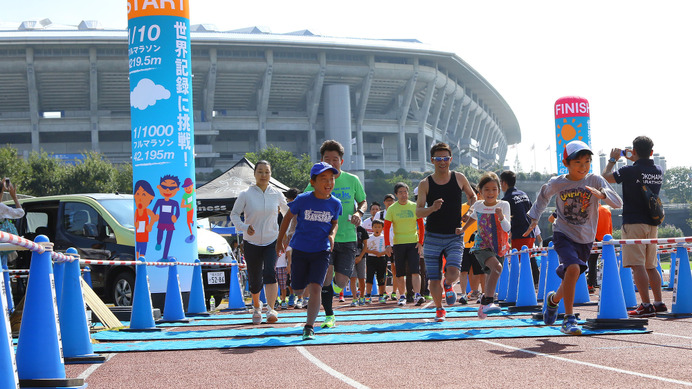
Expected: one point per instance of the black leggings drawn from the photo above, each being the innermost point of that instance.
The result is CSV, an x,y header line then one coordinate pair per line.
x,y
261,264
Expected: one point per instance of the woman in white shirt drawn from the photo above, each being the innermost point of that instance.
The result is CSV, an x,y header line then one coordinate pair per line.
x,y
5,225
260,204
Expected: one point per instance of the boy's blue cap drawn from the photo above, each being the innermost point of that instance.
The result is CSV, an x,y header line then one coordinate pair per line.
x,y
321,167
573,147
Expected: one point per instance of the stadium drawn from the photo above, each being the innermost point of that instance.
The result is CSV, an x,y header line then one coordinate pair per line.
x,y
65,89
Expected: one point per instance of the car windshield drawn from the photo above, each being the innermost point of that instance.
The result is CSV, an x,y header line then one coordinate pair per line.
x,y
123,210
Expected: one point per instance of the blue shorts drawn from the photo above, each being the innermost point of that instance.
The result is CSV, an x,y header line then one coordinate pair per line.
x,y
308,268
437,245
141,248
343,257
570,253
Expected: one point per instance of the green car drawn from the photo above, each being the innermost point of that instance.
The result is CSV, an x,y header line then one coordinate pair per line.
x,y
101,227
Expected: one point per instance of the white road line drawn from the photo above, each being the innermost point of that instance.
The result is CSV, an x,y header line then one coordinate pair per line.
x,y
428,304
86,373
653,377
329,370
673,335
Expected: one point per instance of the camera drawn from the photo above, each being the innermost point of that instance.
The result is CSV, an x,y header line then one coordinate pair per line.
x,y
7,182
627,153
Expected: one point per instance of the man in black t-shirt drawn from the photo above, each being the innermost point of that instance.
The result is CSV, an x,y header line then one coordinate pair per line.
x,y
636,222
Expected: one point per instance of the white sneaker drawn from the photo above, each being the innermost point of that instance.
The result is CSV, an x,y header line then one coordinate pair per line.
x,y
257,314
402,301
272,316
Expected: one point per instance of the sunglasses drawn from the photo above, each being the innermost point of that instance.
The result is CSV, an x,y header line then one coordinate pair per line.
x,y
440,159
169,187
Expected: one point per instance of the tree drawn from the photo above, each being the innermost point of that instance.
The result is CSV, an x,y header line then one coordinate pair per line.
x,y
677,184
11,164
472,174
291,171
123,178
45,176
92,174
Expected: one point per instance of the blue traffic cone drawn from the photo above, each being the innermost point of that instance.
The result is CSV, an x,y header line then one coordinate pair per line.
x,y
581,291
552,282
87,276
513,285
197,303
40,329
682,290
8,286
173,311
8,364
627,285
374,291
612,311
526,294
503,282
74,327
235,292
671,272
660,271
263,298
542,278
142,317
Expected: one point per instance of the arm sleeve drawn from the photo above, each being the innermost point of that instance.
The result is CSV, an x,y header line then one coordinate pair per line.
x,y
387,227
10,213
507,212
541,202
612,197
421,230
238,208
283,205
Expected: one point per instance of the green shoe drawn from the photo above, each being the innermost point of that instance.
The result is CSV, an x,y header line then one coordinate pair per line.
x,y
329,322
308,333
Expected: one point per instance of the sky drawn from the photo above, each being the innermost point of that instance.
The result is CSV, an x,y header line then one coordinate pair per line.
x,y
630,59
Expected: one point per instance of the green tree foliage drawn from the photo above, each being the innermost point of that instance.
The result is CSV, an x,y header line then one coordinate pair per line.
x,y
472,174
45,176
92,174
11,164
677,184
123,178
291,171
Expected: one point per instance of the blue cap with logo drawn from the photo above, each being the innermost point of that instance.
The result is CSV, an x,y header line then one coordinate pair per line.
x,y
321,167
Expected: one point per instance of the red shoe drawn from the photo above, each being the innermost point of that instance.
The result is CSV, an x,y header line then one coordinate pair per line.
x,y
642,311
440,315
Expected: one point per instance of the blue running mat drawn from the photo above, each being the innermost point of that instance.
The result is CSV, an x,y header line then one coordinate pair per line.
x,y
294,331
411,336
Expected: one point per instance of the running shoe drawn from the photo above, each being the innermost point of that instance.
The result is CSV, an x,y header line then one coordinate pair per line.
x,y
428,297
643,311
354,303
291,300
450,295
592,290
329,322
570,326
440,315
660,307
549,310
368,300
308,333
474,295
383,299
462,300
284,305
341,297
419,300
361,301
257,314
393,296
299,303
484,310
272,316
402,301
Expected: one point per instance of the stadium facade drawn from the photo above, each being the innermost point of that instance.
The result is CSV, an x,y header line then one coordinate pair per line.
x,y
65,89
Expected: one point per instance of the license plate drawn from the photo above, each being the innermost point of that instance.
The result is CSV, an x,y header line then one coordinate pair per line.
x,y
216,278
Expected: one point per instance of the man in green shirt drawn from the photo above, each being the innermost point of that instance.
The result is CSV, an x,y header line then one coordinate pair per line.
x,y
349,190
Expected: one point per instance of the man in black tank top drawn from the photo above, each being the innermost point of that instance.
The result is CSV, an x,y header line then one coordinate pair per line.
x,y
441,192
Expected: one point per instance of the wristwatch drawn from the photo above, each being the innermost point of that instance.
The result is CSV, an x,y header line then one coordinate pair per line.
x,y
612,160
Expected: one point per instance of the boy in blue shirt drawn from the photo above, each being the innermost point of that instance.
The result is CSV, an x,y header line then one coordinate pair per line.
x,y
578,194
317,216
